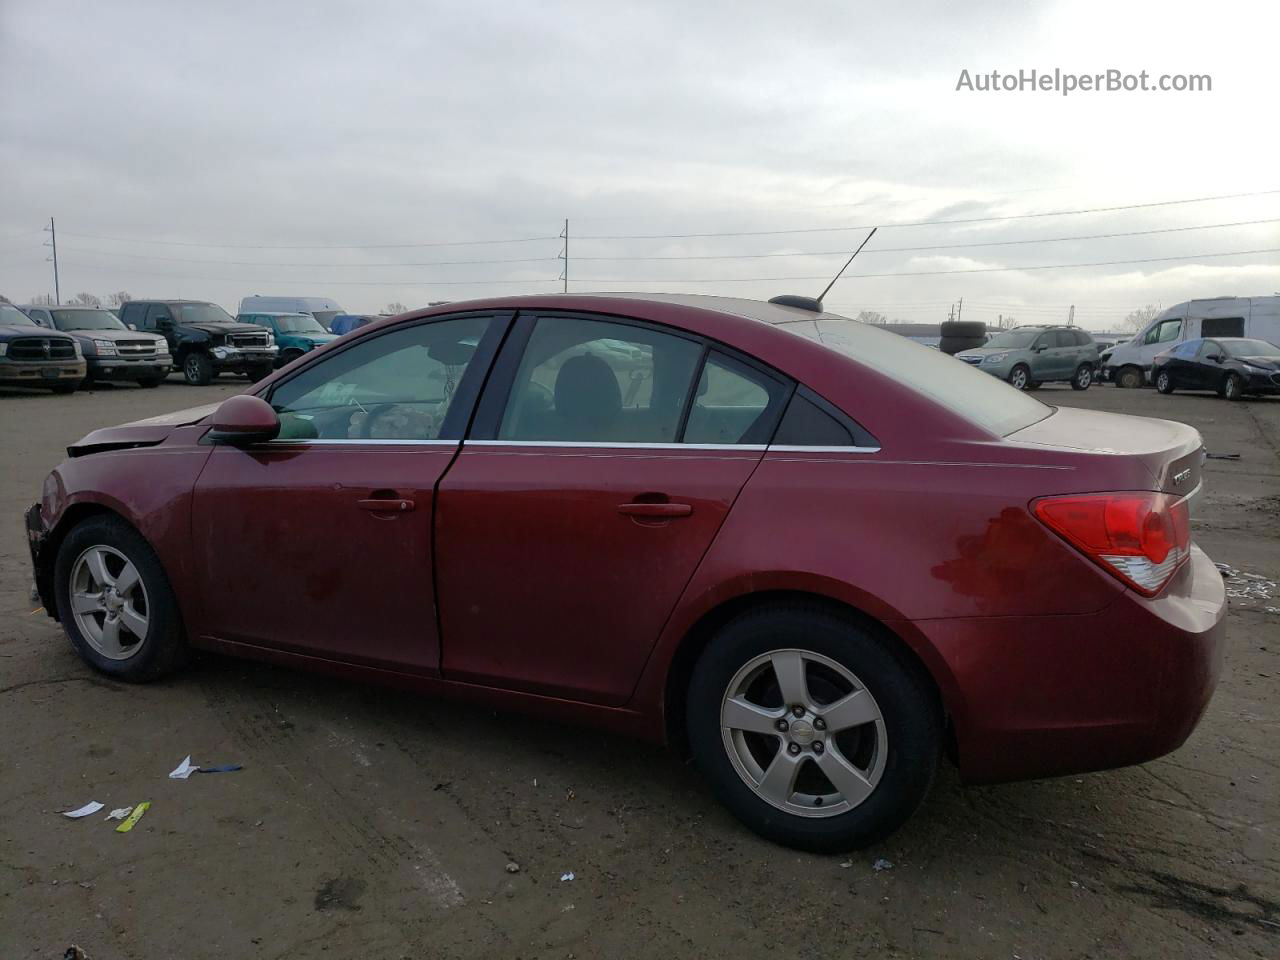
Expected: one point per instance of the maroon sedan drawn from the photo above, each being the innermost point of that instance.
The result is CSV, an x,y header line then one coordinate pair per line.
x,y
814,553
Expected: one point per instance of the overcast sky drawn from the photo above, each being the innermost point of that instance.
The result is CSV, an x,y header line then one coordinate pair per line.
x,y
214,150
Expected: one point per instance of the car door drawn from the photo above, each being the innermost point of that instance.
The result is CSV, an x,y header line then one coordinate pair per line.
x,y
604,458
1207,373
160,319
320,541
1043,360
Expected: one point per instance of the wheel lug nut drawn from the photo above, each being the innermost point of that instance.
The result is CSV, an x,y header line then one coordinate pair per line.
x,y
797,711
819,724
817,747
793,748
782,726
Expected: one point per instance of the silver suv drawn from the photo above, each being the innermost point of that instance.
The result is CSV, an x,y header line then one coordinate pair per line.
x,y
1030,356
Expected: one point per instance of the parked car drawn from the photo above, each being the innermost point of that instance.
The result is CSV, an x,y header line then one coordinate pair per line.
x,y
295,333
322,308
31,356
1234,367
1129,364
1031,355
815,553
111,350
344,323
203,338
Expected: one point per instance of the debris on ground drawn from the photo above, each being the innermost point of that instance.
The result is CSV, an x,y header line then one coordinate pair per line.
x,y
131,821
566,876
74,952
513,867
119,813
183,770
1244,586
1222,456
93,806
846,865
881,864
220,768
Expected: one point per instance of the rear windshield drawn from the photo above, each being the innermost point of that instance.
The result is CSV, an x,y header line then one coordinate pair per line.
x,y
978,397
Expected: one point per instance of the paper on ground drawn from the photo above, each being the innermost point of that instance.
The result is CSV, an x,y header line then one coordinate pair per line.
x,y
183,770
93,806
119,813
134,817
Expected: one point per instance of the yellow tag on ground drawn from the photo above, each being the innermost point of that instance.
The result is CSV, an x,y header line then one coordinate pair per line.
x,y
134,817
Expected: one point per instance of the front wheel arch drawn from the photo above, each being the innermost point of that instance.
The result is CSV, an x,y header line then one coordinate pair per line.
x,y
696,639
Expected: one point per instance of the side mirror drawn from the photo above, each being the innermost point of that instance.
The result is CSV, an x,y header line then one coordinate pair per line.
x,y
244,420
1215,357
131,326
1040,347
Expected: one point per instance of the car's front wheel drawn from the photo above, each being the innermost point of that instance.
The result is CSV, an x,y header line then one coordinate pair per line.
x,y
814,731
1164,382
115,601
1130,378
198,369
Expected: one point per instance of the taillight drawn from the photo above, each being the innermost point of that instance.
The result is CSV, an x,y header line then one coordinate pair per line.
x,y
1139,537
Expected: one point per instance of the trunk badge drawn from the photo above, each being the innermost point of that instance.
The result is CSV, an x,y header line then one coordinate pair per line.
x,y
1181,476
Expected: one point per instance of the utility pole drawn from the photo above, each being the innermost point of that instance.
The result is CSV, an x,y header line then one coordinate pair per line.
x,y
951,314
564,255
1071,316
53,233
999,321
958,312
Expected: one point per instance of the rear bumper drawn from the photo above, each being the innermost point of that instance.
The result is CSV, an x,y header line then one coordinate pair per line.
x,y
1046,696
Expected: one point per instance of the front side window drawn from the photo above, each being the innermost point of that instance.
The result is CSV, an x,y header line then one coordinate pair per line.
x,y
398,386
158,315
1163,332
1208,348
1186,350
595,381
733,404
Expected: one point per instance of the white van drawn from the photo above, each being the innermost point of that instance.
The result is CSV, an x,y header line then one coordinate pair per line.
x,y
1128,364
322,308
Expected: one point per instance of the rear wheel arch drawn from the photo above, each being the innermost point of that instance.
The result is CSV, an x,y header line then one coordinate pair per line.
x,y
703,631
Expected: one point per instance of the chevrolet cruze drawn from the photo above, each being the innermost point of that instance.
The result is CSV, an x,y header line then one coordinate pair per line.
x,y
812,553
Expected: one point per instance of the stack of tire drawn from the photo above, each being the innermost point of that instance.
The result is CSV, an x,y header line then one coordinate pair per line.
x,y
960,335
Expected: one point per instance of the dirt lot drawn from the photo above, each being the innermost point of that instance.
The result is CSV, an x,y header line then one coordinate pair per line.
x,y
376,824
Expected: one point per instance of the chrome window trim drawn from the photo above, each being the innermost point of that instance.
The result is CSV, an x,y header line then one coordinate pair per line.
x,y
799,448
363,442
594,445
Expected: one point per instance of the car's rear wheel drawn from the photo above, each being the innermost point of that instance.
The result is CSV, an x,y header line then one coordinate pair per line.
x,y
198,369
1233,387
1164,382
115,601
1129,377
1020,377
815,732
1083,378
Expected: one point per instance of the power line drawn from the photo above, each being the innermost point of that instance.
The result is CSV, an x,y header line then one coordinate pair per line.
x,y
317,246
276,263
928,223
939,246
934,273
327,282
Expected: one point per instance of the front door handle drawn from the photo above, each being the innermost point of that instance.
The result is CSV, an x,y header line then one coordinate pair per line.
x,y
390,505
660,510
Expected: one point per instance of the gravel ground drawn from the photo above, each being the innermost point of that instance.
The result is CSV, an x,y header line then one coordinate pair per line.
x,y
369,823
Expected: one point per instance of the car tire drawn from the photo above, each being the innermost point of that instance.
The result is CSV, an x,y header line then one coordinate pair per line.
x,y
1130,378
65,388
1020,377
1232,387
197,368
148,383
1164,382
888,756
1083,377
134,633
1034,385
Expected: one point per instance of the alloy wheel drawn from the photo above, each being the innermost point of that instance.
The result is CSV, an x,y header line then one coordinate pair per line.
x,y
1084,378
109,602
1018,379
804,733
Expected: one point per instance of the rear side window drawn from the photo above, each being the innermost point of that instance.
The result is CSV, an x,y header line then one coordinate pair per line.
x,y
595,381
1082,338
1222,327
733,403
812,422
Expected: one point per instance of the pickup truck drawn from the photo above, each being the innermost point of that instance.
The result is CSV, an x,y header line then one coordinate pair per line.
x,y
204,339
111,350
31,356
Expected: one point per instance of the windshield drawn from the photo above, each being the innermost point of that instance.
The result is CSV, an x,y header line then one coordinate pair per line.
x,y
13,317
1252,348
201,313
964,389
325,316
86,320
1014,339
299,323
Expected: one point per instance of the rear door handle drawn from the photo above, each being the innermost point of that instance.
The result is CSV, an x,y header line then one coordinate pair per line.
x,y
663,510
391,505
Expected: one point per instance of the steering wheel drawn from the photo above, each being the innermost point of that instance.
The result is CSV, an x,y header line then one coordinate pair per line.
x,y
374,414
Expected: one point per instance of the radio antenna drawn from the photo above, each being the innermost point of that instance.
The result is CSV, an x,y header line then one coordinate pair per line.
x,y
846,264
